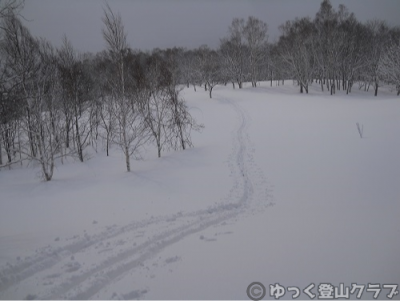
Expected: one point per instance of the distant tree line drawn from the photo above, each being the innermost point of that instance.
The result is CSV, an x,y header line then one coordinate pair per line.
x,y
55,102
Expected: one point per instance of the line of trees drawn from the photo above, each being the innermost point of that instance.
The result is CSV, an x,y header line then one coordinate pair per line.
x,y
334,50
56,102
337,50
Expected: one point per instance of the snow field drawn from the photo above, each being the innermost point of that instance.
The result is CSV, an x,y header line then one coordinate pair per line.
x,y
279,188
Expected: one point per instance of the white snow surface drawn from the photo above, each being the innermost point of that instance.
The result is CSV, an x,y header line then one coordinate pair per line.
x,y
279,188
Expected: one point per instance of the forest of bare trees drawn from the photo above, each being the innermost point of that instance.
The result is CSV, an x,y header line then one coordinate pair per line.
x,y
56,102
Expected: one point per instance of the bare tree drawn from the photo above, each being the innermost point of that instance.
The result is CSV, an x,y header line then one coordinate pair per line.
x,y
130,126
355,49
211,68
255,33
46,125
107,122
295,49
389,65
10,113
155,102
102,67
76,86
233,50
327,45
20,58
379,37
164,112
41,95
10,7
180,122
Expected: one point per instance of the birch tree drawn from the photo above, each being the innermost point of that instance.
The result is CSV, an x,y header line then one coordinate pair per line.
x,y
389,65
255,33
378,39
76,85
295,49
233,50
46,120
20,57
130,129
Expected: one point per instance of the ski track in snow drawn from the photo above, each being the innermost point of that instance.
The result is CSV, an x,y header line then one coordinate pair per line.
x,y
58,273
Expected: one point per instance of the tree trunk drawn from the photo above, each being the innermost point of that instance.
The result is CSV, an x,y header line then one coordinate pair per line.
x,y
19,146
107,143
177,119
343,83
47,171
376,89
125,139
1,151
210,88
78,140
157,135
183,144
127,159
7,144
158,148
67,129
301,88
30,135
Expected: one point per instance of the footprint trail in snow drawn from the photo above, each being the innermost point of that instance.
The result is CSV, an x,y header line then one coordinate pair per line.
x,y
83,268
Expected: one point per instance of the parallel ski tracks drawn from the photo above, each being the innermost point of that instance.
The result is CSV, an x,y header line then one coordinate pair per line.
x,y
248,193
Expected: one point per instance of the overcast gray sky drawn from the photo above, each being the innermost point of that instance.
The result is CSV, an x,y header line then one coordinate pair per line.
x,y
182,23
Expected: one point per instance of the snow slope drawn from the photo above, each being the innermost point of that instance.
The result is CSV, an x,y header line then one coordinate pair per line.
x,y
279,188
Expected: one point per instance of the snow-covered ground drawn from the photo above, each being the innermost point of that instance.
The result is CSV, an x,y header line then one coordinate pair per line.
x,y
279,188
